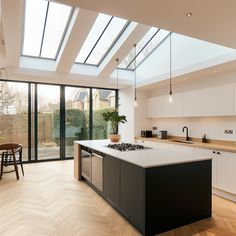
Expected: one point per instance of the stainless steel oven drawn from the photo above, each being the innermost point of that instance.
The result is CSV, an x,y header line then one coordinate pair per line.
x,y
86,163
97,170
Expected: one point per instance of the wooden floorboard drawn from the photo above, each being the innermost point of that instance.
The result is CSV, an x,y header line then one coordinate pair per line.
x,y
49,201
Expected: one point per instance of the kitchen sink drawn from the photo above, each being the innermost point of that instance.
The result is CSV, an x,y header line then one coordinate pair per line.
x,y
180,141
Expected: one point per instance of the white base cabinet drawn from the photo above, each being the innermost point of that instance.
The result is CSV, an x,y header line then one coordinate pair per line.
x,y
226,172
223,169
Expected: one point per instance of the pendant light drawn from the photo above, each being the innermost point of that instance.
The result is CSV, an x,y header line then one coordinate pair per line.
x,y
135,78
170,92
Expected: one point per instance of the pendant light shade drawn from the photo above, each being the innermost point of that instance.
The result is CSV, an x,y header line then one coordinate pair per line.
x,y
135,78
170,92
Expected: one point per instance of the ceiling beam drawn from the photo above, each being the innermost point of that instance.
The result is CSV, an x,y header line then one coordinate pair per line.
x,y
123,46
81,24
12,16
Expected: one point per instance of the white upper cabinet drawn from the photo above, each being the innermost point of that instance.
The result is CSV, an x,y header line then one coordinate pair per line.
x,y
218,101
161,107
192,103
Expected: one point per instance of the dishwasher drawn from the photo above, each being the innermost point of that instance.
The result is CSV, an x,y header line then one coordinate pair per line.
x,y
97,170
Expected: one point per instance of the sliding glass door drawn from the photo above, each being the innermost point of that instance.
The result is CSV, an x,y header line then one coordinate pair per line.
x,y
48,121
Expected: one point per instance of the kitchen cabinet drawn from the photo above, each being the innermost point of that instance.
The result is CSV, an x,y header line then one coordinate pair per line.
x,y
226,171
111,179
218,101
132,191
192,104
223,169
161,107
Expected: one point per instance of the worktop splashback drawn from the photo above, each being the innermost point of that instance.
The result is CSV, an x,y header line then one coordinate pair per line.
x,y
213,127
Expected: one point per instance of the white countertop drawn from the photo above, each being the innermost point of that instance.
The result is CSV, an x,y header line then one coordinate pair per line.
x,y
144,158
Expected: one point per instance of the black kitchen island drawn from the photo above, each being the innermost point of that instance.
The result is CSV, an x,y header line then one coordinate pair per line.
x,y
156,190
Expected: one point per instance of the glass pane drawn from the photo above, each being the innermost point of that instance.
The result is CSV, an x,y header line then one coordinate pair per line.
x,y
103,100
77,116
57,19
111,33
35,14
139,47
48,121
97,29
151,46
14,114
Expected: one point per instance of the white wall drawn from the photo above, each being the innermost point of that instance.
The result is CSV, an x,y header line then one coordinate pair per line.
x,y
126,101
213,127
140,121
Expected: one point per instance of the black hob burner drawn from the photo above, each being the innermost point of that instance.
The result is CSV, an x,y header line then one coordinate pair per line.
x,y
126,146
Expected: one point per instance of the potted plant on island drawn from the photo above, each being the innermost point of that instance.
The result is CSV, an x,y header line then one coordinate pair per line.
x,y
114,118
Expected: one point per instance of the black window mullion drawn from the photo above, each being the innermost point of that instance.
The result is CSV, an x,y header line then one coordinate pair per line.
x,y
29,122
36,121
90,113
62,122
44,28
98,40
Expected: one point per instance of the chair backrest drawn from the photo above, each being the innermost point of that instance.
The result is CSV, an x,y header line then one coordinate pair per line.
x,y
10,146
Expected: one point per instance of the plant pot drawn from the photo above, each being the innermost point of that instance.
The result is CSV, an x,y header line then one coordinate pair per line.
x,y
115,138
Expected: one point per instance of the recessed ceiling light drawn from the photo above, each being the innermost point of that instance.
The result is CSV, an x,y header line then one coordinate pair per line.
x,y
189,14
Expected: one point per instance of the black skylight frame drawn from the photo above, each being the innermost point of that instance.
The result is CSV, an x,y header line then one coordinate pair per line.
x,y
158,45
44,28
109,49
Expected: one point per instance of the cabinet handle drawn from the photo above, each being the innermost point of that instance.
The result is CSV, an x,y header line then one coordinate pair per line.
x,y
214,152
218,153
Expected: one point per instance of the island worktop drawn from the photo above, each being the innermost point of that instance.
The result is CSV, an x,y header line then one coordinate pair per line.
x,y
144,158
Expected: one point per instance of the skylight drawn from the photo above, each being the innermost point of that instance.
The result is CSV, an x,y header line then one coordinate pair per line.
x,y
45,27
144,47
104,33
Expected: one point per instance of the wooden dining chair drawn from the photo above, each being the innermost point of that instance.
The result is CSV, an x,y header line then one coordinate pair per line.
x,y
11,155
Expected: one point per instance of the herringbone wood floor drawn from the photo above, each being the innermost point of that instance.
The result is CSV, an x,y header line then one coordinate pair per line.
x,y
49,201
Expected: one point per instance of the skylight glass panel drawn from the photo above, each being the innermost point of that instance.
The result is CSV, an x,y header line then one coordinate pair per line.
x,y
45,26
35,13
93,36
57,19
147,44
130,57
112,32
101,38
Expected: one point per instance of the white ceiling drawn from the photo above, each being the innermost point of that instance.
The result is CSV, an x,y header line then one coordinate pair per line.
x,y
211,20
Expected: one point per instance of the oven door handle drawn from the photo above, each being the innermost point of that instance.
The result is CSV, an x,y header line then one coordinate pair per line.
x,y
95,154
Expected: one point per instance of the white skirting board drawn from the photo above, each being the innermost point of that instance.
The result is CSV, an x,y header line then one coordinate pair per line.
x,y
224,194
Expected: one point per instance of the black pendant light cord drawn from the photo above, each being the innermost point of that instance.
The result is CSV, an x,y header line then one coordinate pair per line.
x,y
135,93
117,79
117,75
170,65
